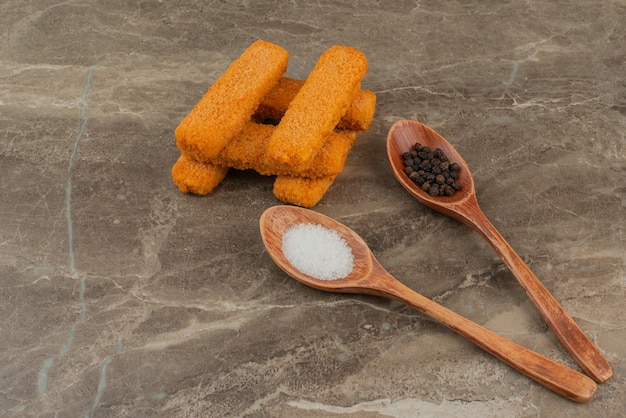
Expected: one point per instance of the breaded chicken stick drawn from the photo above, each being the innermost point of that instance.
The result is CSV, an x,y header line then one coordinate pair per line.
x,y
301,191
248,150
317,108
194,177
358,117
223,111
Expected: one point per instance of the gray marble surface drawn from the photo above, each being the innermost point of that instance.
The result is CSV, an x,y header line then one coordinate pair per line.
x,y
121,296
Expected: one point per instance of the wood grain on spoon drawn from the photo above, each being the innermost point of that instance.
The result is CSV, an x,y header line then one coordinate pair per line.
x,y
369,277
464,207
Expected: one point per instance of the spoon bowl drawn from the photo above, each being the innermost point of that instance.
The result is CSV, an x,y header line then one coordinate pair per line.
x,y
369,277
405,134
277,220
463,206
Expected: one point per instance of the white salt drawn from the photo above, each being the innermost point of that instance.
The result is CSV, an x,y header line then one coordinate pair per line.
x,y
318,251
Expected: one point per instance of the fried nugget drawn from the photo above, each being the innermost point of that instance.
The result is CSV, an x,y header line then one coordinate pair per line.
x,y
223,111
195,177
358,117
248,150
317,108
302,191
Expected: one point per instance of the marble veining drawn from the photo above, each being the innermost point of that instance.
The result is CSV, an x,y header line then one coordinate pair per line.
x,y
120,296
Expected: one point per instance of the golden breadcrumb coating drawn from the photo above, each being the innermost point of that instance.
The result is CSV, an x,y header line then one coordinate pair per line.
x,y
317,108
360,114
358,117
229,103
274,104
248,150
301,191
331,159
194,177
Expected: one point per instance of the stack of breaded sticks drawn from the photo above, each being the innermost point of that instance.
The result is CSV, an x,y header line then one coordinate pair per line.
x,y
314,123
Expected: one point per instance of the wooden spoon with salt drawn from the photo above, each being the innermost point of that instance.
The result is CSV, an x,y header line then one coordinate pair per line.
x,y
369,277
463,206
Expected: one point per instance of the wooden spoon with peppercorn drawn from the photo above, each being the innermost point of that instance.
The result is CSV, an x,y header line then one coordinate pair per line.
x,y
463,206
366,275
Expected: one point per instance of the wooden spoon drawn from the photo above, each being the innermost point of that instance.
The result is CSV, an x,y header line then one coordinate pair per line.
x,y
369,277
463,206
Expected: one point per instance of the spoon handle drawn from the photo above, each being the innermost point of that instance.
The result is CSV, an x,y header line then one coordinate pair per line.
x,y
570,335
554,376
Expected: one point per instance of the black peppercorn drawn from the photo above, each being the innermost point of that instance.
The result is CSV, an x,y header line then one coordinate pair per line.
x,y
431,170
